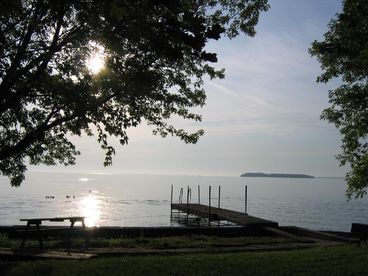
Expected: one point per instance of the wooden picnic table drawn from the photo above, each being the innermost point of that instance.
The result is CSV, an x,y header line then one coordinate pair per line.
x,y
38,221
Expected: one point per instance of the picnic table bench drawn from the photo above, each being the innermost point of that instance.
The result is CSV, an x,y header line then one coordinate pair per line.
x,y
36,222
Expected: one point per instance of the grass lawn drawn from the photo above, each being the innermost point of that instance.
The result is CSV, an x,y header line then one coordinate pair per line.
x,y
193,241
338,260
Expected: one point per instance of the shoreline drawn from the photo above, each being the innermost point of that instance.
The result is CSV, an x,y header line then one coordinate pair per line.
x,y
167,231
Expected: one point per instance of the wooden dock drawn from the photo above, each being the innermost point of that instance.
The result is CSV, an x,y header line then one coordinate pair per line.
x,y
214,213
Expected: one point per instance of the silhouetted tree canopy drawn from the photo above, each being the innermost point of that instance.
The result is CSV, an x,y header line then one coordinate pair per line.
x,y
344,56
155,64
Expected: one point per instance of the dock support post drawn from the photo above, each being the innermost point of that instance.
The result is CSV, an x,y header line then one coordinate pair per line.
x,y
190,195
181,196
171,201
199,195
209,206
246,200
218,204
219,197
187,203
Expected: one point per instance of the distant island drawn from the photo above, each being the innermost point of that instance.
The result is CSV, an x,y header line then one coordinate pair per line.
x,y
281,175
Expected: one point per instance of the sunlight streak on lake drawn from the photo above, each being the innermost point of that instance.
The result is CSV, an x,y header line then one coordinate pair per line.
x,y
90,208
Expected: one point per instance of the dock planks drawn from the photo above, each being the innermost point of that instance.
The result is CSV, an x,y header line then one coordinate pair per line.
x,y
223,214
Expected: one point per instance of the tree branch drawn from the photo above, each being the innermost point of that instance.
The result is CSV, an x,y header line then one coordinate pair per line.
x,y
46,57
34,135
10,76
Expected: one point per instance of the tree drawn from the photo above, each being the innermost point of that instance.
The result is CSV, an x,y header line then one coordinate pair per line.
x,y
155,62
344,56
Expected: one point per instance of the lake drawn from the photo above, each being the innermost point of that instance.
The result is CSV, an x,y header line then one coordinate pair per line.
x,y
144,200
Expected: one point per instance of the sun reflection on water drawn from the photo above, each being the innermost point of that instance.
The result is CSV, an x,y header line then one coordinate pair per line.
x,y
90,208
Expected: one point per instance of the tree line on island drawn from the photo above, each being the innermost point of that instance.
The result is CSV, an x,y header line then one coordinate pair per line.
x,y
280,175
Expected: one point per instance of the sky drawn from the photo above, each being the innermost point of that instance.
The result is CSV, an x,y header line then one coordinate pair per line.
x,y
263,117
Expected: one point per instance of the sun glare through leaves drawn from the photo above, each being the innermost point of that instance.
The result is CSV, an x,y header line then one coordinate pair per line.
x,y
96,61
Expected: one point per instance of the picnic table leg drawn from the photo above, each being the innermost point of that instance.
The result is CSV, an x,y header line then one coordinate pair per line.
x,y
69,236
39,235
86,243
25,236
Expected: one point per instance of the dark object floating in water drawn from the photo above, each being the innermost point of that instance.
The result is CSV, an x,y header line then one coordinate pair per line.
x,y
280,175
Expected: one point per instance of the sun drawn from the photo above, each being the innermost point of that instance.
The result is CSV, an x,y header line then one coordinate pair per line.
x,y
96,63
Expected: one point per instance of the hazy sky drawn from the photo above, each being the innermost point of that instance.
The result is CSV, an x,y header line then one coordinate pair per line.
x,y
263,117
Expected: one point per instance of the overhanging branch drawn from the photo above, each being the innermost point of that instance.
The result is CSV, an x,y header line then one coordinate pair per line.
x,y
33,136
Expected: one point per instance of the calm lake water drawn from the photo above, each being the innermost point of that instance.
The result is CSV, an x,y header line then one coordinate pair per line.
x,y
144,200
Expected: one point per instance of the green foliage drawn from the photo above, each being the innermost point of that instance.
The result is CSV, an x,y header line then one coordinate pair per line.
x,y
155,64
344,55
